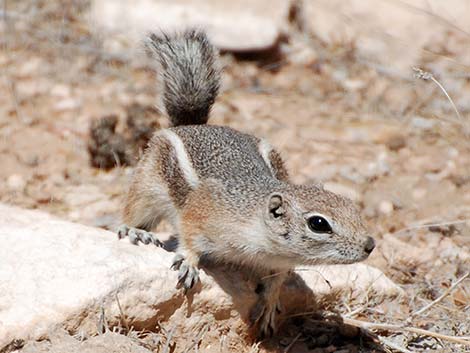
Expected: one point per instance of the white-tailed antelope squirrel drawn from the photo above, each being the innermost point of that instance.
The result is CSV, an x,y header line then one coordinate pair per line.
x,y
227,193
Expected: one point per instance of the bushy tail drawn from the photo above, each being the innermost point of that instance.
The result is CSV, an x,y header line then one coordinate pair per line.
x,y
191,78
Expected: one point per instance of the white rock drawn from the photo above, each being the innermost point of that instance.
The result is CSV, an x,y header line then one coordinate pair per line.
x,y
391,32
358,278
106,343
60,275
232,25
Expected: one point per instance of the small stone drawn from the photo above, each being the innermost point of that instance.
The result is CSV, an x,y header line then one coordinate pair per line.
x,y
370,211
419,193
452,152
29,88
16,182
61,91
30,67
353,85
459,180
32,160
350,173
302,56
386,207
67,104
422,123
395,142
378,168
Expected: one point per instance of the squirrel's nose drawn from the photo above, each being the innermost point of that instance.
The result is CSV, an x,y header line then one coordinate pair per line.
x,y
369,245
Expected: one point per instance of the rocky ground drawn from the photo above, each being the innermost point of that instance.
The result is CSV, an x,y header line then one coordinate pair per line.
x,y
377,133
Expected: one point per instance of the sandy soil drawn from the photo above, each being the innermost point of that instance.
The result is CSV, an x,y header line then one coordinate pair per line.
x,y
392,143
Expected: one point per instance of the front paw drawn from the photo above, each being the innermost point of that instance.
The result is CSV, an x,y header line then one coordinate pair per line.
x,y
188,274
263,316
135,235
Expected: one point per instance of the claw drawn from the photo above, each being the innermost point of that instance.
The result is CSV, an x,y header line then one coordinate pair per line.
x,y
133,237
177,261
183,271
122,231
256,313
188,275
263,315
191,278
145,238
278,308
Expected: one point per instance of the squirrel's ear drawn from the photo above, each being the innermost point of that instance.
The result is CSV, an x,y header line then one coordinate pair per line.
x,y
276,205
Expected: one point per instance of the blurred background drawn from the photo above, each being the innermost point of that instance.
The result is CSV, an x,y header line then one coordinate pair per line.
x,y
369,97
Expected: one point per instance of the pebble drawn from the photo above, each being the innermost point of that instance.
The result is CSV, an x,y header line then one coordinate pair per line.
x,y
16,182
30,68
386,207
395,142
378,168
419,193
350,173
301,55
422,123
353,85
67,104
61,90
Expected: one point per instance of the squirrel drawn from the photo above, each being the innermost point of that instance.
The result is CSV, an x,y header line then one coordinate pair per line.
x,y
227,193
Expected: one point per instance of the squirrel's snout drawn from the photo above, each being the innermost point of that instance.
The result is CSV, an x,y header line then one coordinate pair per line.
x,y
369,245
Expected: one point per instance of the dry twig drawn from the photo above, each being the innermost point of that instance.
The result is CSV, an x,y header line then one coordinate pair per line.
x,y
287,349
255,347
167,347
424,75
123,317
399,328
445,294
392,345
426,225
197,340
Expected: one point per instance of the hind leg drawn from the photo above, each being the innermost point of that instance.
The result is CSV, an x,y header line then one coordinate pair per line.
x,y
264,312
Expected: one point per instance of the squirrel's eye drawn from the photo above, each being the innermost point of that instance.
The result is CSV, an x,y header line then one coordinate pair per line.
x,y
319,224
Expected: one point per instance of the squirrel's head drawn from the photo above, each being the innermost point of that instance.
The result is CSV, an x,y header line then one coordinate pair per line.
x,y
315,226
